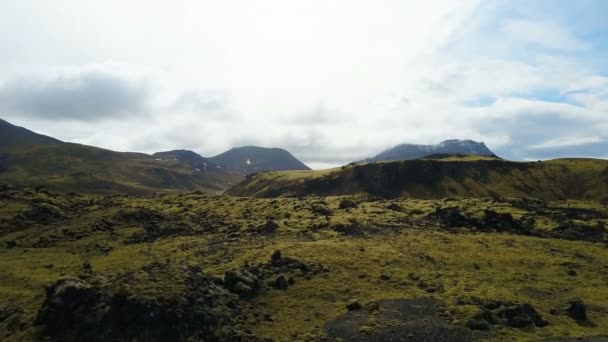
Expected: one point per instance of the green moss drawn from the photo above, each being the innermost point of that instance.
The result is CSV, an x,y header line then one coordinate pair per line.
x,y
415,255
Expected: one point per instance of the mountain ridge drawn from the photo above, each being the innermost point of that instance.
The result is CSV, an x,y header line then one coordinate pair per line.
x,y
474,176
30,159
413,151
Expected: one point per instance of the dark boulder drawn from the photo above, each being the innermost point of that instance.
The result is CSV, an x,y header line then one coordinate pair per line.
x,y
347,204
77,310
321,209
451,218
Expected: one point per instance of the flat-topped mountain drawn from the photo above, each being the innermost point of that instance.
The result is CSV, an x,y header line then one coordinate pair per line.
x,y
431,178
413,151
252,159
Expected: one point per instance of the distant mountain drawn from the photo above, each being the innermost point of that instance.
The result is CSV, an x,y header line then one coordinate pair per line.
x,y
252,159
30,159
198,162
412,151
15,136
432,178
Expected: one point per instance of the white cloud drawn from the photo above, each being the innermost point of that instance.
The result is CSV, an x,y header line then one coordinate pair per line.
x,y
567,141
331,81
543,34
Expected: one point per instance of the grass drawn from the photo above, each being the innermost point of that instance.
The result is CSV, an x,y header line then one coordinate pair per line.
x,y
402,245
455,176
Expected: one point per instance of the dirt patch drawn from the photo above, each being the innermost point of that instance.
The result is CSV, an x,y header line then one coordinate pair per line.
x,y
417,319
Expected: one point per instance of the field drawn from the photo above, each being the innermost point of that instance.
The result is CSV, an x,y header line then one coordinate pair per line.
x,y
480,259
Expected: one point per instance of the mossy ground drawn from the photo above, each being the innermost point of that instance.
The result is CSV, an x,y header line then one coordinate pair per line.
x,y
372,252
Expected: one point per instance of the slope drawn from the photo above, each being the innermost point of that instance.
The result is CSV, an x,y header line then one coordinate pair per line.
x,y
31,159
252,159
470,176
413,151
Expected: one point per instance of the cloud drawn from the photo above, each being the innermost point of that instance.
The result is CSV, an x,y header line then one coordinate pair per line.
x,y
90,94
566,141
332,82
542,34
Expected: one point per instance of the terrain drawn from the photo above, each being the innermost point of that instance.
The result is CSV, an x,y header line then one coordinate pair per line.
x,y
441,176
414,151
252,159
31,159
192,266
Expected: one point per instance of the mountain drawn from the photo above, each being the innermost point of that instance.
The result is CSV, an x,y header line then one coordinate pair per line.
x,y
412,151
15,136
198,162
30,159
252,159
432,178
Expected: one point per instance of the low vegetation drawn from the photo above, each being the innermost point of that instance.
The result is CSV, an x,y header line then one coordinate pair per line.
x,y
441,176
204,267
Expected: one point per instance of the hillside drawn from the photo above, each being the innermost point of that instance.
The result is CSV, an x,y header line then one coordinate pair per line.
x,y
31,159
252,159
80,168
15,136
470,176
189,157
413,151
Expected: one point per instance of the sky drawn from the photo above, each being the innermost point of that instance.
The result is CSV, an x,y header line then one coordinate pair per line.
x,y
330,81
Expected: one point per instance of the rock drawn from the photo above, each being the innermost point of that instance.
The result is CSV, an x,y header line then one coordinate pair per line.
x,y
518,315
77,310
451,218
575,231
242,283
270,227
502,222
321,209
276,256
478,324
353,304
347,204
394,206
577,310
280,283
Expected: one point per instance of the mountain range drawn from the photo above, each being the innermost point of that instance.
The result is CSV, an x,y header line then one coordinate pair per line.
x,y
29,159
458,168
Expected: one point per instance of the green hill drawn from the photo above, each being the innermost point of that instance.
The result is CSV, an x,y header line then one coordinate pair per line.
x,y
15,136
31,159
453,176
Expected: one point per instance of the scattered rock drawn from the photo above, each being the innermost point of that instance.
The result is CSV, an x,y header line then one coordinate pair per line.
x,y
321,209
478,324
242,283
76,310
517,315
347,204
451,218
577,310
394,206
270,227
280,283
576,231
353,304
